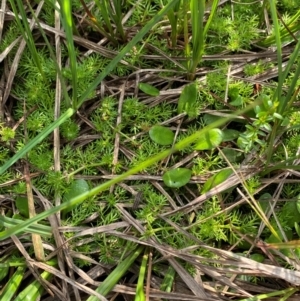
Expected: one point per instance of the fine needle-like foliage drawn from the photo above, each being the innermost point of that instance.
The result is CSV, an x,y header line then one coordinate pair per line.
x,y
149,149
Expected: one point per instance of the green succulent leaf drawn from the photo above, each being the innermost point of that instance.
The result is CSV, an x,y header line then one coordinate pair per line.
x,y
148,89
161,135
209,140
177,177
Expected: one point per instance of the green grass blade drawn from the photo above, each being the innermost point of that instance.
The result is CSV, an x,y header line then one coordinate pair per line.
x,y
197,15
278,46
211,16
272,294
140,294
278,94
39,138
284,105
33,290
117,17
42,230
113,278
104,9
26,32
168,281
67,20
13,284
173,19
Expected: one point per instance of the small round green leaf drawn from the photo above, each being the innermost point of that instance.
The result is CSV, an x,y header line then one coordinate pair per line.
x,y
257,257
232,155
161,135
22,206
148,89
229,135
187,100
77,187
216,180
208,118
177,177
209,140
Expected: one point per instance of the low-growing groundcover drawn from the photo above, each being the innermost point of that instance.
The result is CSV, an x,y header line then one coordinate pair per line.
x,y
149,150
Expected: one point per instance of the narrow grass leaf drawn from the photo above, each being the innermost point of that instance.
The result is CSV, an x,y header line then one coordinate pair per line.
x,y
4,272
13,284
104,9
213,10
140,294
116,15
168,281
148,89
26,32
161,135
67,20
177,177
173,19
112,279
33,291
9,222
288,292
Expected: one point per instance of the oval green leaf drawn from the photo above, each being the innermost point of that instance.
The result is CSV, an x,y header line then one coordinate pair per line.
x,y
257,257
148,89
209,140
229,135
22,206
187,100
161,135
216,179
208,118
77,187
177,177
232,155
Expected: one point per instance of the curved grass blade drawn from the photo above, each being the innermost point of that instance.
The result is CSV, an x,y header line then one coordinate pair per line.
x,y
67,20
42,230
26,31
140,294
34,290
13,284
113,278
